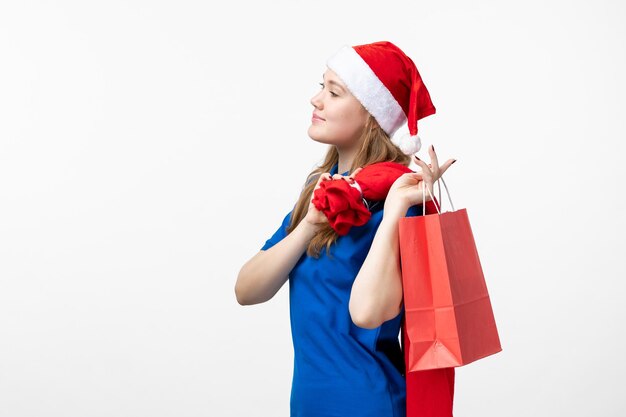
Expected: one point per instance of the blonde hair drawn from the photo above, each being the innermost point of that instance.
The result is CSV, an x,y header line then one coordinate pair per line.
x,y
376,146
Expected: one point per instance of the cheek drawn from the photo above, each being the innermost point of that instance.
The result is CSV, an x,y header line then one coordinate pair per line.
x,y
348,119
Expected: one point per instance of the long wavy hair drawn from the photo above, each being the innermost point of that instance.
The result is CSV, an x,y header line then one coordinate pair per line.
x,y
376,146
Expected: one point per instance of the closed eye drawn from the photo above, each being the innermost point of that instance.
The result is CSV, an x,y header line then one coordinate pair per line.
x,y
331,93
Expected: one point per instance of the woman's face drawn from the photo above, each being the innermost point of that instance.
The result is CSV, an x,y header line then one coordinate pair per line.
x,y
341,115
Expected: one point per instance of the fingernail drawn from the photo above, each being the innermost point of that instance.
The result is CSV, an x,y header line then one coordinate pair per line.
x,y
417,157
433,146
453,162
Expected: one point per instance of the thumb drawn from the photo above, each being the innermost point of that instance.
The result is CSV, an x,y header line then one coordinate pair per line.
x,y
416,176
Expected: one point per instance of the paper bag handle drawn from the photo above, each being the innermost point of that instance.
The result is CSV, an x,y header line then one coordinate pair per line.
x,y
433,198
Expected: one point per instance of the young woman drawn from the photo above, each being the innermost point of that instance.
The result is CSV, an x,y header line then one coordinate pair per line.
x,y
345,292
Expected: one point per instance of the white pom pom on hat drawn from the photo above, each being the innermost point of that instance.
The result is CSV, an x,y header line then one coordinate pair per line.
x,y
408,143
386,81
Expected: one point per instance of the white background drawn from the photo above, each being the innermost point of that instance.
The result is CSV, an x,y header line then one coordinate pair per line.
x,y
149,148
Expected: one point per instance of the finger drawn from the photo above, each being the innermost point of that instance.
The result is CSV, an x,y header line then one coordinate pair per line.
x,y
337,176
356,171
433,158
324,177
415,177
350,178
428,176
445,166
421,163
433,169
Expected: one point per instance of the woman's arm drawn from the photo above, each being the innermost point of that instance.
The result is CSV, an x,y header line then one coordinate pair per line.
x,y
265,273
377,290
262,276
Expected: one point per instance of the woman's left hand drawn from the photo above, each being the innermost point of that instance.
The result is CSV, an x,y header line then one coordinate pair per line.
x,y
406,191
349,178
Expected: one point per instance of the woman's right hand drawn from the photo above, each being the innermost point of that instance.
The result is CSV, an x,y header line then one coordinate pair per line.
x,y
314,216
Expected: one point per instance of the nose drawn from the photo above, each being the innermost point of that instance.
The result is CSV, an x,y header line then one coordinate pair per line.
x,y
316,101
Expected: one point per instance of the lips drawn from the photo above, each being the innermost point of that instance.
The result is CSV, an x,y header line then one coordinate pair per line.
x,y
317,117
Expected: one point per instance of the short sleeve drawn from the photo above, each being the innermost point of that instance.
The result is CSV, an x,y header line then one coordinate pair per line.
x,y
279,234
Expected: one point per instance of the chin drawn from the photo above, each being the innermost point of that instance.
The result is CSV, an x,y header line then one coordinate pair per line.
x,y
317,137
328,139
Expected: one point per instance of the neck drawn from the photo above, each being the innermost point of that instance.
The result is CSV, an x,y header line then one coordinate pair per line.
x,y
346,157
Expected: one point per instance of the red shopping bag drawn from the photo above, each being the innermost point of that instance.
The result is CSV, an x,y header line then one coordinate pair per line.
x,y
449,321
429,393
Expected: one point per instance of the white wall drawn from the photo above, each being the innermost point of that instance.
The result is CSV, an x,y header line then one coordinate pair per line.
x,y
148,149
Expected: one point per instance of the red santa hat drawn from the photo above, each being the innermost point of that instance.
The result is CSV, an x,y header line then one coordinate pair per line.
x,y
386,82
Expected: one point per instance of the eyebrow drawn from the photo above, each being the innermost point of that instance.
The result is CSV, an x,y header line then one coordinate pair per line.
x,y
333,83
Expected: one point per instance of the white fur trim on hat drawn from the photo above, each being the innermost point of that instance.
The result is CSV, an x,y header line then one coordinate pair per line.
x,y
367,88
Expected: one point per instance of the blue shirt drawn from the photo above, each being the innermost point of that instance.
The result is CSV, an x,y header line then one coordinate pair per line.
x,y
340,369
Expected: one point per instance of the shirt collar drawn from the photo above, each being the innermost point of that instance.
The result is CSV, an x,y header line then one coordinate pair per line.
x,y
334,169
